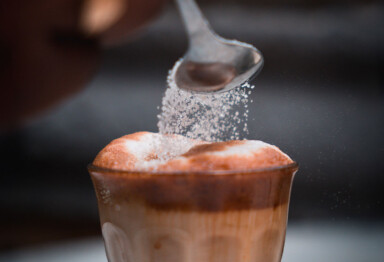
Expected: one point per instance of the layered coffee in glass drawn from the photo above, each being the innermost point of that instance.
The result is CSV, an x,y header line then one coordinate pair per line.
x,y
200,201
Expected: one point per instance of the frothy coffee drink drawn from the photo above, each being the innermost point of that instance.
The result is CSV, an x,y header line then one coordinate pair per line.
x,y
194,192
168,198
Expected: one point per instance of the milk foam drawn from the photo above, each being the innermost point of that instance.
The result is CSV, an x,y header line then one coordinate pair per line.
x,y
149,151
152,149
246,148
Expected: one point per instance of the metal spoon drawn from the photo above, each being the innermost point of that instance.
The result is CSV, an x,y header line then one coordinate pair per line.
x,y
212,63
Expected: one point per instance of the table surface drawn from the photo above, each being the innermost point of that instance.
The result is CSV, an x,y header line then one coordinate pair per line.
x,y
305,242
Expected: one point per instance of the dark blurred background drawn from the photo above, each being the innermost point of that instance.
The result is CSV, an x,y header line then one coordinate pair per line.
x,y
320,98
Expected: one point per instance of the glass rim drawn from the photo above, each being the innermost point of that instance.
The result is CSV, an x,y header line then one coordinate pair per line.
x,y
93,168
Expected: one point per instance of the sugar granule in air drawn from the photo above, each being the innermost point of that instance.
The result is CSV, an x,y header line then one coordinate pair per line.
x,y
209,117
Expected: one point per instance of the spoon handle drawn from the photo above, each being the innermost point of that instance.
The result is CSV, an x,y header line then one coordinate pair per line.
x,y
195,23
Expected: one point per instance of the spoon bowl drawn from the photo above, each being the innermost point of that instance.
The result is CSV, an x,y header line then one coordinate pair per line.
x,y
212,63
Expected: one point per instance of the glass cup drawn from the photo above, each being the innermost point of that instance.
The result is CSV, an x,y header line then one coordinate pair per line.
x,y
212,216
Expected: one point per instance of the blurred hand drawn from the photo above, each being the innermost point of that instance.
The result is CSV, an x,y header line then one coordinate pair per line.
x,y
113,20
49,49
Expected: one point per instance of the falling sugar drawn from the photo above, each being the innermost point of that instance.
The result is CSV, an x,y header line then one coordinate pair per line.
x,y
209,117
